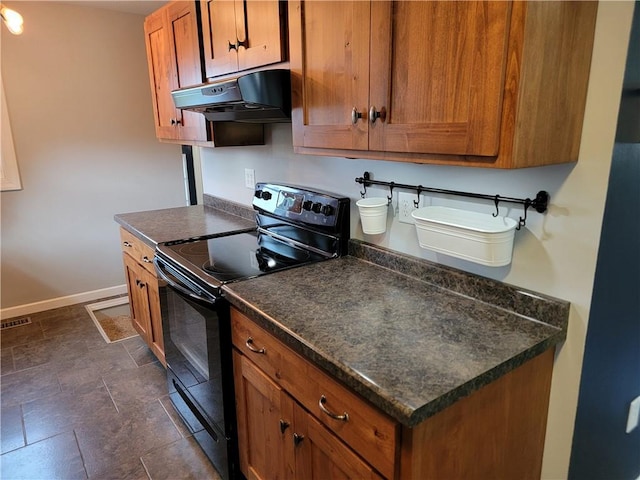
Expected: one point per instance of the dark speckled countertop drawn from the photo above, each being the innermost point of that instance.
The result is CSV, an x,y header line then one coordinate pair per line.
x,y
156,226
410,346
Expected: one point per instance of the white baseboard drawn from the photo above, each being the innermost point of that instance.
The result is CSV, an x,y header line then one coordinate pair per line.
x,y
36,307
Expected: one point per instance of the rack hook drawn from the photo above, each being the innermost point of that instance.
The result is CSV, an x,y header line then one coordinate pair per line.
x,y
416,203
390,196
523,221
496,200
364,180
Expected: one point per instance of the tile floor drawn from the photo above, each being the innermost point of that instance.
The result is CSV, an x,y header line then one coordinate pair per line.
x,y
76,407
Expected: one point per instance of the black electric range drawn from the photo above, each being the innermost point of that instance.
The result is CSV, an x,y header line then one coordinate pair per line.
x,y
295,226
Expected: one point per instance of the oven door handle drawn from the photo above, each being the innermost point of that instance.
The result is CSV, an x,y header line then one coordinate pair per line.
x,y
163,272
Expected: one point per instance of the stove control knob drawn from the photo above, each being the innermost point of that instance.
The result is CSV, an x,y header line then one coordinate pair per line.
x,y
258,194
327,210
307,205
266,195
316,207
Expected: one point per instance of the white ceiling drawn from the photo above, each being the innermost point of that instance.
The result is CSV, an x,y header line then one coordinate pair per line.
x,y
139,7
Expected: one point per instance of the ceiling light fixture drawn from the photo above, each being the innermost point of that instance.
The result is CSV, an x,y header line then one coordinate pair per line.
x,y
12,19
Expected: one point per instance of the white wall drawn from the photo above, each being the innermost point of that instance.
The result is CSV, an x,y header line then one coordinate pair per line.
x,y
79,101
555,254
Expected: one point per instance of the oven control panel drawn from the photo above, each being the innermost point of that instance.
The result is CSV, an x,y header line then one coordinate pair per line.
x,y
300,204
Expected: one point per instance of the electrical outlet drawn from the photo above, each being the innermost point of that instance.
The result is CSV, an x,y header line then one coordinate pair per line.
x,y
250,178
406,206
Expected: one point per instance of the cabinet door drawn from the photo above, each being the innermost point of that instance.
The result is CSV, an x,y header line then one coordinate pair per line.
x,y
187,70
137,297
151,296
160,74
242,34
330,73
320,454
174,61
219,36
262,423
437,69
260,27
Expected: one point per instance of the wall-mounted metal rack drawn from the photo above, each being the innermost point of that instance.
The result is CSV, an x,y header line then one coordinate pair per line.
x,y
539,203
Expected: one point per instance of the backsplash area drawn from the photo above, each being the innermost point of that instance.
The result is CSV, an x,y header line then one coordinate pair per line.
x,y
223,176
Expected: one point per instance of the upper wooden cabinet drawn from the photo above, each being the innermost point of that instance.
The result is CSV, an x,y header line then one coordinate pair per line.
x,y
242,34
173,55
495,84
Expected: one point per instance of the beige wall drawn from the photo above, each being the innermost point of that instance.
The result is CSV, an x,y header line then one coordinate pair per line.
x,y
78,95
555,254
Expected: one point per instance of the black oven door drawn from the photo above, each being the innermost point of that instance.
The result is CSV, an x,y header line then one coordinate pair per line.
x,y
197,340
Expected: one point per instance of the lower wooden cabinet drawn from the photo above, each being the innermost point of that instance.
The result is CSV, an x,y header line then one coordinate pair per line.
x,y
280,439
296,421
320,454
143,289
283,429
262,421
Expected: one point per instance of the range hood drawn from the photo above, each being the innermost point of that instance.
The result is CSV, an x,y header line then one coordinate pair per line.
x,y
258,97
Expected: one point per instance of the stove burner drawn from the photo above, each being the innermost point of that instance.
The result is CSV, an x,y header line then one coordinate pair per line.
x,y
216,269
270,260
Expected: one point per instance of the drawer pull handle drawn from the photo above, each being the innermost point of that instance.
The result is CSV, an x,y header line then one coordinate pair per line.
x,y
297,439
127,244
283,425
344,417
145,259
249,344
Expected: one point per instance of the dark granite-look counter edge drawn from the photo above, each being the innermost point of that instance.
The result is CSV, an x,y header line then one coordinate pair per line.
x,y
308,328
168,224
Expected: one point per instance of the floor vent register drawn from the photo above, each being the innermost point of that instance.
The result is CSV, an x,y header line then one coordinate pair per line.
x,y
14,322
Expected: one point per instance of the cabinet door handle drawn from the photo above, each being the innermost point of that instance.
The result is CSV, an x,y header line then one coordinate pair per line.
x,y
232,46
127,244
175,121
249,344
284,425
243,44
355,115
375,114
344,417
145,259
297,439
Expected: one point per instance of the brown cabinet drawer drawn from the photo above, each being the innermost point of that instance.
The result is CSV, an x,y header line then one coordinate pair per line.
x,y
371,433
138,250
